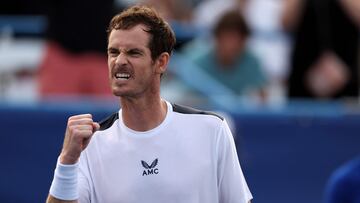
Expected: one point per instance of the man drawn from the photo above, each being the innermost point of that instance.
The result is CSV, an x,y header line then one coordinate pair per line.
x,y
151,150
229,61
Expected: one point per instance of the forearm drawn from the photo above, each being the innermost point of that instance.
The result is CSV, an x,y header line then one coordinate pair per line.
x,y
291,13
52,199
79,131
64,187
352,7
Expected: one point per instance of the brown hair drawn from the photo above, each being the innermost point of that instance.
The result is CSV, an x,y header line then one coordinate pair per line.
x,y
234,21
162,36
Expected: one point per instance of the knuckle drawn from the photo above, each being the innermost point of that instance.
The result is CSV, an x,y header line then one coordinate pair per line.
x,y
72,130
76,132
70,122
71,117
88,120
87,133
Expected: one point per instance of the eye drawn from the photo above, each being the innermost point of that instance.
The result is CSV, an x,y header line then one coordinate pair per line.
x,y
113,52
134,52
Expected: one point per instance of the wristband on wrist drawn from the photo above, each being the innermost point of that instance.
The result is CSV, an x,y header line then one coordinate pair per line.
x,y
65,182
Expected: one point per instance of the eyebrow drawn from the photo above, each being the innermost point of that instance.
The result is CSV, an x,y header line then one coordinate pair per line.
x,y
111,49
136,50
126,50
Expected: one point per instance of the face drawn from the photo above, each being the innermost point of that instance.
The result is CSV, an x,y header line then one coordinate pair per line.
x,y
228,45
132,72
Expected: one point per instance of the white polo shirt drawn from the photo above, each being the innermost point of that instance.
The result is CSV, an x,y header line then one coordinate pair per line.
x,y
189,158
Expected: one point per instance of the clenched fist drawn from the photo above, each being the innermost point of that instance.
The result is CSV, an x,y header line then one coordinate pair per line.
x,y
79,131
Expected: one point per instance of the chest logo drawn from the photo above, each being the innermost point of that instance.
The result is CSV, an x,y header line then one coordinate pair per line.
x,y
150,170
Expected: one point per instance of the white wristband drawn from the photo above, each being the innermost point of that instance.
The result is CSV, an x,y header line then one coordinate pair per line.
x,y
65,182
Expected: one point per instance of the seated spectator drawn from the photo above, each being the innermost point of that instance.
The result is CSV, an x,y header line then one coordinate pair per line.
x,y
344,184
229,61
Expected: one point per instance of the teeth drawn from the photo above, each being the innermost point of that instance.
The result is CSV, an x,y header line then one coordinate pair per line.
x,y
122,75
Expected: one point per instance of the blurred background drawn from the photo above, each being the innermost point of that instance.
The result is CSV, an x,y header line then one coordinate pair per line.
x,y
283,72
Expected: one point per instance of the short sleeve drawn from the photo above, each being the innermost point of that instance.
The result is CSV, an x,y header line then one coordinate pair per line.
x,y
232,185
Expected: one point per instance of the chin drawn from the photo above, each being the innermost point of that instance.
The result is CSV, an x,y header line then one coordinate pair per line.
x,y
118,93
121,93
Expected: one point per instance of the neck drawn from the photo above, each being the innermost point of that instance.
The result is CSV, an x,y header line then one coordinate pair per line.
x,y
143,114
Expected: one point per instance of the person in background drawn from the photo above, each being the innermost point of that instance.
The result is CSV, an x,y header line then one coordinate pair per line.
x,y
179,14
150,150
207,12
74,62
324,62
229,61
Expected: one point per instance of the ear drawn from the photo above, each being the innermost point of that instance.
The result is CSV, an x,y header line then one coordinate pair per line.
x,y
162,62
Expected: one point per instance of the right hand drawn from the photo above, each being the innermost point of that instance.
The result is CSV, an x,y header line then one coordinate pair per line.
x,y
79,131
328,75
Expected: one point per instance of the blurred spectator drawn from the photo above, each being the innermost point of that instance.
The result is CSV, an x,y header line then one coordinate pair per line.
x,y
179,14
344,184
207,12
75,57
270,44
229,61
267,40
172,9
326,38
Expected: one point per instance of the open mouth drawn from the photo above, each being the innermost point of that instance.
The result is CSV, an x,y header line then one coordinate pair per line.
x,y
122,76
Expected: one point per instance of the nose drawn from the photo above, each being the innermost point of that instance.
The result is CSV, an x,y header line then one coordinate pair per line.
x,y
121,59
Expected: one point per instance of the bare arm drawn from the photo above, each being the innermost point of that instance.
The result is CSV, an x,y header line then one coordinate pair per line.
x,y
353,9
80,129
291,13
52,199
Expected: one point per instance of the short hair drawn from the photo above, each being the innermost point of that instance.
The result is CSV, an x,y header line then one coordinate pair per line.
x,y
162,36
234,21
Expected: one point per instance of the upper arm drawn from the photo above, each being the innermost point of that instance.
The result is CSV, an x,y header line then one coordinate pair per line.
x,y
291,13
352,8
231,182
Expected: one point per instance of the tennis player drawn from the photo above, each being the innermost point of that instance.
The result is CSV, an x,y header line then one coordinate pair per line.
x,y
150,150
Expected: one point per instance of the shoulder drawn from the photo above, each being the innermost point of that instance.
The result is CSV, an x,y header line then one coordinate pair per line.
x,y
109,121
185,110
202,123
203,56
195,119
